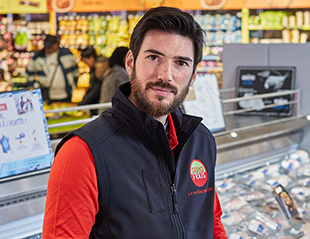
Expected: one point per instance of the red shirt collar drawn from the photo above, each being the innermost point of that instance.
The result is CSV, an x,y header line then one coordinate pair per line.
x,y
173,140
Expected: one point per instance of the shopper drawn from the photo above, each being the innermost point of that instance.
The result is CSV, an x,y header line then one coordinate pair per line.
x,y
115,76
98,66
142,169
55,69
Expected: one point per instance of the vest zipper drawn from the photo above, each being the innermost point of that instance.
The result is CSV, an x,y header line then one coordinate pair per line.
x,y
174,200
175,216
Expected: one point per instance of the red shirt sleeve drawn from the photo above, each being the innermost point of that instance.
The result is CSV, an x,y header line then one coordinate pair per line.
x,y
72,193
218,228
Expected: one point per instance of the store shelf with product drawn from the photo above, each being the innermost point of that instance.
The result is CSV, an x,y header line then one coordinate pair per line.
x,y
105,30
21,35
276,26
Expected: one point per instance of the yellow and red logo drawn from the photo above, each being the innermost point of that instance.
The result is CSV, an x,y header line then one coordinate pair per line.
x,y
198,172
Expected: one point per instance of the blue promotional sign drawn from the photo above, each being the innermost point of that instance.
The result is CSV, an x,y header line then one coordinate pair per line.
x,y
24,139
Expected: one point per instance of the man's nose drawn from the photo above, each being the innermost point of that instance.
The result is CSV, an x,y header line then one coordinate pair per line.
x,y
165,72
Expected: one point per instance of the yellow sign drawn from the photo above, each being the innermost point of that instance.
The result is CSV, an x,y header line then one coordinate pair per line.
x,y
4,6
27,6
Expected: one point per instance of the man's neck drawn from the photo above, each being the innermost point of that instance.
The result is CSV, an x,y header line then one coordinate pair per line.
x,y
162,119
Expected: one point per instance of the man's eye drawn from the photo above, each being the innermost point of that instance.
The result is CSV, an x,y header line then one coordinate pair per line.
x,y
153,57
182,63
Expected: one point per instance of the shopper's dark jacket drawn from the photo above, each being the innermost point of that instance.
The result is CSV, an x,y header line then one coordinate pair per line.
x,y
137,174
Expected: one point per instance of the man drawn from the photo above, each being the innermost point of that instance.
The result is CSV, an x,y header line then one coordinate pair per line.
x,y
55,69
142,169
99,65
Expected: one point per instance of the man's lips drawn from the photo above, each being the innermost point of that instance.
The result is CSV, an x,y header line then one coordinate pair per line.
x,y
161,88
161,91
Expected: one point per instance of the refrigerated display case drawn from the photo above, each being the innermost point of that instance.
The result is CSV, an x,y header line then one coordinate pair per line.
x,y
246,144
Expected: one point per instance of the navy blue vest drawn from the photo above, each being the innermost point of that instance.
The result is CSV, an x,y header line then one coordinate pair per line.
x,y
143,191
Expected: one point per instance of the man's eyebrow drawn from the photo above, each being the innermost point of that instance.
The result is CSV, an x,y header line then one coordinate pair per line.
x,y
184,58
155,52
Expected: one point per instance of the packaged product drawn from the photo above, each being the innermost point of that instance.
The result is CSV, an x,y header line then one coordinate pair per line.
x,y
283,179
282,222
301,193
218,20
290,164
251,195
270,170
305,230
301,155
225,185
235,204
208,22
232,218
262,225
304,171
229,37
239,235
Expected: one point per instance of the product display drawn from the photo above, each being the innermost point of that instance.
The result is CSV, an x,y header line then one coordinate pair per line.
x,y
220,28
104,32
271,201
286,26
19,39
268,202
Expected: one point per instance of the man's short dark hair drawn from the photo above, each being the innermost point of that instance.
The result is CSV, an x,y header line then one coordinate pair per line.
x,y
172,20
88,52
50,40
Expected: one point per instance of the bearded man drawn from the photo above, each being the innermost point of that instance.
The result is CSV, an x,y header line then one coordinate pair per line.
x,y
142,169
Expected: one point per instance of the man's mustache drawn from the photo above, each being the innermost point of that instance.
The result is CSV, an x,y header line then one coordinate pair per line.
x,y
163,85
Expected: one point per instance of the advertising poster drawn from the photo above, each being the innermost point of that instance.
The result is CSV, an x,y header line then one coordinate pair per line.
x,y
27,6
203,100
24,139
4,6
255,80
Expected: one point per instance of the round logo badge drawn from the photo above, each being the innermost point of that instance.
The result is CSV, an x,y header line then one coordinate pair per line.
x,y
198,173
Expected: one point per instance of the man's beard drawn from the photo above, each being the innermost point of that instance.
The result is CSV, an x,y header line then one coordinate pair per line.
x,y
158,108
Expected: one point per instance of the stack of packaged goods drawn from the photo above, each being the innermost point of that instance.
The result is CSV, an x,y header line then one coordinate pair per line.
x,y
19,39
293,26
269,202
104,32
6,52
38,30
220,28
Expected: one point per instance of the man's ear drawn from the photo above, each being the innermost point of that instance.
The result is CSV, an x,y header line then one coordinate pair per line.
x,y
193,78
129,61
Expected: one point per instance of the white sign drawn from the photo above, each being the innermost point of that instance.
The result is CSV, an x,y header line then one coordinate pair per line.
x,y
24,139
203,100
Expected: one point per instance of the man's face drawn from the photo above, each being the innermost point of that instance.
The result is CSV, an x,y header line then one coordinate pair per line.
x,y
51,50
162,73
90,61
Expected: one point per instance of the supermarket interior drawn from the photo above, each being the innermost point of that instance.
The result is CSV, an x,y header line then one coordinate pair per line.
x,y
252,90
